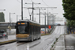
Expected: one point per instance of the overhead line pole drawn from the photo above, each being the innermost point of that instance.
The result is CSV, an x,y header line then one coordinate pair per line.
x,y
22,9
45,22
39,15
32,11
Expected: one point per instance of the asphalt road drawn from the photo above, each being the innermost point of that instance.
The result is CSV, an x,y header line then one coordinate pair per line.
x,y
44,43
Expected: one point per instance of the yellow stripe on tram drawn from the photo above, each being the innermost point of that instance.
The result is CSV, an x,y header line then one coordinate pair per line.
x,y
22,35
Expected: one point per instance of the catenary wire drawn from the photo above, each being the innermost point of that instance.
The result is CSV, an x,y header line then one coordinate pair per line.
x,y
44,3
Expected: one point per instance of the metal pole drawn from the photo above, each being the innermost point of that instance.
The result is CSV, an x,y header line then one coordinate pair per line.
x,y
65,37
39,15
45,22
9,18
10,22
17,17
32,11
47,18
30,17
22,9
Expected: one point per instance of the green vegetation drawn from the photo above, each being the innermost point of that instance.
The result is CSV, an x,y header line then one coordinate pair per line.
x,y
71,23
8,41
69,9
2,17
54,43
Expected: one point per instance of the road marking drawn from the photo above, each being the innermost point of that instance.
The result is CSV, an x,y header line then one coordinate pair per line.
x,y
27,47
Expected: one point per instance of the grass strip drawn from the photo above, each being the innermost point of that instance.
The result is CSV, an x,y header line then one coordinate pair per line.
x,y
54,44
6,42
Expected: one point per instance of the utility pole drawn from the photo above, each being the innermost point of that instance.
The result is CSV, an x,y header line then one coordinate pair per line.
x,y
22,9
10,22
30,16
17,17
32,9
10,18
39,15
45,22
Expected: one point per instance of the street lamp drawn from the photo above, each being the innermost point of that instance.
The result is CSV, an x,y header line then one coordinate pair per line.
x,y
10,22
2,9
10,17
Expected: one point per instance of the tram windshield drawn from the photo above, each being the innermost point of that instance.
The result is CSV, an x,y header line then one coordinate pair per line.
x,y
22,29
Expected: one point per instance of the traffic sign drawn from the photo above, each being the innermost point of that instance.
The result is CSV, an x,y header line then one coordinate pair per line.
x,y
49,26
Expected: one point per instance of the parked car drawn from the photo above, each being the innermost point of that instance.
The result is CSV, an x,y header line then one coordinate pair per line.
x,y
3,34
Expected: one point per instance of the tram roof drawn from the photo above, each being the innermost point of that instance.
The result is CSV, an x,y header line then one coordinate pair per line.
x,y
27,20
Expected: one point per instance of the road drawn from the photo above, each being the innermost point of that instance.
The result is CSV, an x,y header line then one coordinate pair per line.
x,y
10,37
44,43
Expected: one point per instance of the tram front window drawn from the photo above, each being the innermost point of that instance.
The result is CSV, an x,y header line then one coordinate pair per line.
x,y
22,29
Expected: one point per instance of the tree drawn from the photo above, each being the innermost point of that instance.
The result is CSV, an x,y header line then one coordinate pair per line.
x,y
2,17
71,23
69,9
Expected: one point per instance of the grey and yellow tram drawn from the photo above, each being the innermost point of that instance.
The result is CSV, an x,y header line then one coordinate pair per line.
x,y
27,30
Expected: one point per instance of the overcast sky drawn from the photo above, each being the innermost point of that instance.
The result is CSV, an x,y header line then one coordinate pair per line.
x,y
14,6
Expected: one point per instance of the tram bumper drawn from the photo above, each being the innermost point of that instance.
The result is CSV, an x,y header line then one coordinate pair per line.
x,y
23,39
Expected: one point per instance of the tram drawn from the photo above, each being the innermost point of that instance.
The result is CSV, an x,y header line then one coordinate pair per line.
x,y
27,30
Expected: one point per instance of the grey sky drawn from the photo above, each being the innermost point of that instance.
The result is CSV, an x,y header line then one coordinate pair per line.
x,y
14,6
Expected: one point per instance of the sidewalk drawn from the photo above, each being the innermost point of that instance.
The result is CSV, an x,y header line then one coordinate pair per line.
x,y
69,41
59,45
10,38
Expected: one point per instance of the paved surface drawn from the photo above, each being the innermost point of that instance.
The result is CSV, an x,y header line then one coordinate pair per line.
x,y
10,37
44,43
70,42
11,46
60,45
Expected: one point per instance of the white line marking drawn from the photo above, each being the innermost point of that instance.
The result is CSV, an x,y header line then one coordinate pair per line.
x,y
27,47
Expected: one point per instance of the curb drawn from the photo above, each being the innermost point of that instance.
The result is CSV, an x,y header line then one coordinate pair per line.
x,y
7,42
52,47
